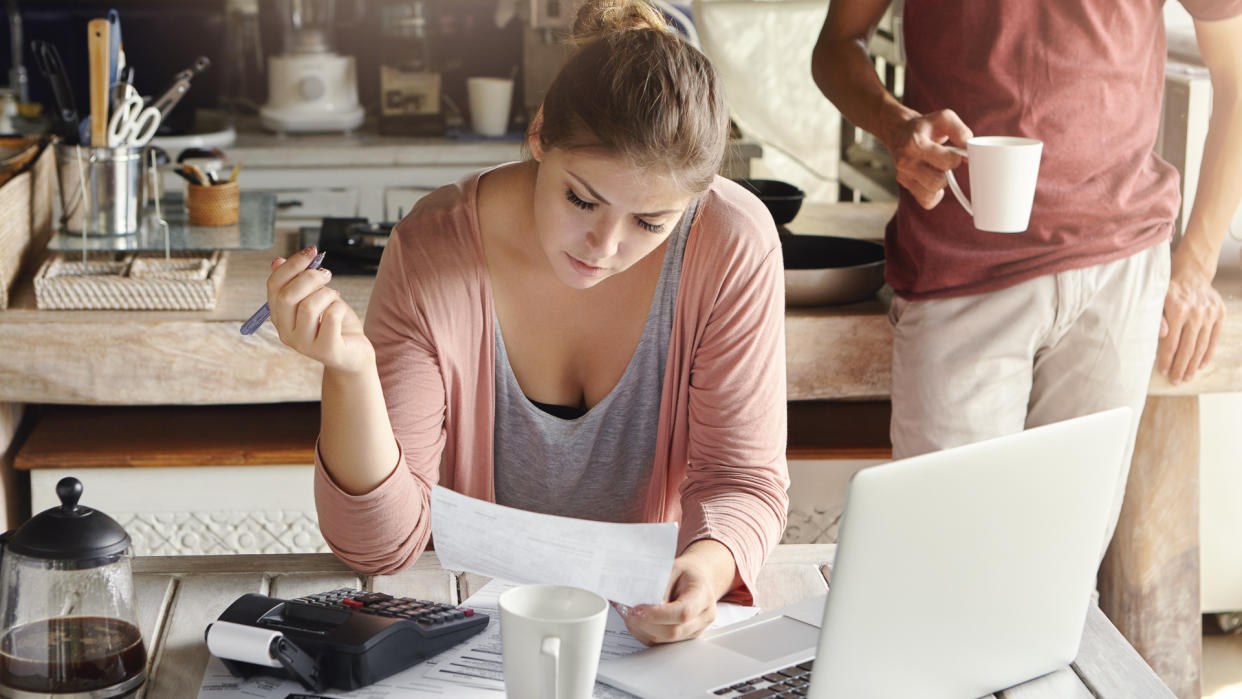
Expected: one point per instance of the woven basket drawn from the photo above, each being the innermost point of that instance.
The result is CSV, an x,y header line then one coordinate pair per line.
x,y
25,207
135,282
215,205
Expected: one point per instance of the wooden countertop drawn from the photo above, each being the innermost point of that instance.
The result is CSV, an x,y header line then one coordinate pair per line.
x,y
199,358
176,597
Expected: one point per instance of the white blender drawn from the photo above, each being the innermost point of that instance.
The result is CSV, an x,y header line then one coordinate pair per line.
x,y
310,87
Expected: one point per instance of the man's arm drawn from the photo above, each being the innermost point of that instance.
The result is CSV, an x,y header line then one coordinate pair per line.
x,y
1193,310
844,72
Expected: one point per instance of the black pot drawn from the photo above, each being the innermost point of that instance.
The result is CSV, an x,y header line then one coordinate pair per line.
x,y
781,198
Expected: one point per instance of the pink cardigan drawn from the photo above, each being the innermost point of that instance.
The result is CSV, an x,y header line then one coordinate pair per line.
x,y
720,445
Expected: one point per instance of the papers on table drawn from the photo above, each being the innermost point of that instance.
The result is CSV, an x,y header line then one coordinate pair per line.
x,y
625,563
473,669
476,663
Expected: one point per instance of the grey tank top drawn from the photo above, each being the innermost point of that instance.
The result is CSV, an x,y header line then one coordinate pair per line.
x,y
597,466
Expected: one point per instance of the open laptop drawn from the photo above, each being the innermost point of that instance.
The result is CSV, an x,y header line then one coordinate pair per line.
x,y
957,574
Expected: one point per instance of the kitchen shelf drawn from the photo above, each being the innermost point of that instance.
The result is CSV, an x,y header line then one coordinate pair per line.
x,y
253,231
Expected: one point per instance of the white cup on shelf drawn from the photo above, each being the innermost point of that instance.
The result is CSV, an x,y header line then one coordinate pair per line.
x,y
551,637
1003,171
490,99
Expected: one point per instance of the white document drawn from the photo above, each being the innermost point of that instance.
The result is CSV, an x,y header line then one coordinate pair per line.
x,y
625,563
477,662
218,683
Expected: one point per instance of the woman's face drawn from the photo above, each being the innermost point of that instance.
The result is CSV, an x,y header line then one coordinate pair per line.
x,y
597,215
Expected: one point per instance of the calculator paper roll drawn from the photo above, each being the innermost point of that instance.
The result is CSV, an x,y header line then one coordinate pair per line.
x,y
249,644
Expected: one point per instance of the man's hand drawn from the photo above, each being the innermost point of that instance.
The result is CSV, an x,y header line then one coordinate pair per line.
x,y
1193,315
920,156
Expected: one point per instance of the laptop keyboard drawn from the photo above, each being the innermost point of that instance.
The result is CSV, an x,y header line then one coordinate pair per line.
x,y
786,683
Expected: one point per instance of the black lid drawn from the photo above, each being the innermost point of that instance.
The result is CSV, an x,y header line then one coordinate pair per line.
x,y
70,532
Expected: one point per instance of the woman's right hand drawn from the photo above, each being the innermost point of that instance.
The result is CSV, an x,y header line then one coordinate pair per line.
x,y
312,318
920,156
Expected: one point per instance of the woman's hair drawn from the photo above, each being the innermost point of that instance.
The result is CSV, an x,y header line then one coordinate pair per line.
x,y
633,88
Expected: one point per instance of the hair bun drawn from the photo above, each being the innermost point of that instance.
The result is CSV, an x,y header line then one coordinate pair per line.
x,y
599,18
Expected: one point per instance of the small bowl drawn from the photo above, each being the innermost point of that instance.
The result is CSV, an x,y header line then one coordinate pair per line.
x,y
782,199
825,270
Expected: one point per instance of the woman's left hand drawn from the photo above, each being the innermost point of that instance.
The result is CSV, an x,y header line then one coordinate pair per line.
x,y
701,575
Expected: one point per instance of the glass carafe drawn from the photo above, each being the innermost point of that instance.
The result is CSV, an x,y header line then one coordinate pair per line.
x,y
67,600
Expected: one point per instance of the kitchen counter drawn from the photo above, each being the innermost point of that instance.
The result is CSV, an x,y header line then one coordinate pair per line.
x,y
177,597
365,147
1149,581
198,358
372,175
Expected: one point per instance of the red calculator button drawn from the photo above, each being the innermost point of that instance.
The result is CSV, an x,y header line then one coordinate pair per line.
x,y
352,603
469,612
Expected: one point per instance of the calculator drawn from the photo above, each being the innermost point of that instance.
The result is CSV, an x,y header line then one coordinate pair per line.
x,y
351,638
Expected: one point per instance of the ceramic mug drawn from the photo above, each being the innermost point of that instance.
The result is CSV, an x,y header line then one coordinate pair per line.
x,y
490,99
1003,170
551,637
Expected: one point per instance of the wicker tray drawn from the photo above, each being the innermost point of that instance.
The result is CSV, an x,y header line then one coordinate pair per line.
x,y
133,282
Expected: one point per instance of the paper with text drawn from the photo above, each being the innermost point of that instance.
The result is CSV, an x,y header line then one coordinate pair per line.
x,y
477,664
625,563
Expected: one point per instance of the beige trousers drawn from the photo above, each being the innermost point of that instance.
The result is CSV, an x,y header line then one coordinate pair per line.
x,y
1052,348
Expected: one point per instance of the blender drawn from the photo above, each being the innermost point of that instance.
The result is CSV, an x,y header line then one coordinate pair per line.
x,y
310,86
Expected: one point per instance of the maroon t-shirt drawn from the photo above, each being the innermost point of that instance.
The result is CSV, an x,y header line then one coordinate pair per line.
x,y
1086,77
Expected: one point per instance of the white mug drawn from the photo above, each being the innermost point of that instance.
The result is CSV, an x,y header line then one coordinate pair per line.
x,y
490,99
551,637
1003,170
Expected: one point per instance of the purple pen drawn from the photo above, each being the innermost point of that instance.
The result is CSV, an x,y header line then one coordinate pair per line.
x,y
260,316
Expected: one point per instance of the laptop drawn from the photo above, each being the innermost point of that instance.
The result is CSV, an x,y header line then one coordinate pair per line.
x,y
957,573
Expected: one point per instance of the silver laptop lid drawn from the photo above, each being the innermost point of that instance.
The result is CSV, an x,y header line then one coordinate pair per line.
x,y
969,570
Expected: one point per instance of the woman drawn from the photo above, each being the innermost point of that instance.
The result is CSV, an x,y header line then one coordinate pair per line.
x,y
595,332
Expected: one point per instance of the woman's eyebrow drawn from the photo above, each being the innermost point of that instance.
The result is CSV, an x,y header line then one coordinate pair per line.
x,y
588,187
597,195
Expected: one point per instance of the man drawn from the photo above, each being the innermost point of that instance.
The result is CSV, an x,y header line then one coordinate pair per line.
x,y
993,333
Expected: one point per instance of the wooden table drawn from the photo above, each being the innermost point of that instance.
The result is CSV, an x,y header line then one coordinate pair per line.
x,y
1149,583
178,596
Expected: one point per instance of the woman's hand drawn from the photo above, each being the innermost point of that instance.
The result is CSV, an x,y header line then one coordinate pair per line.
x,y
701,575
311,318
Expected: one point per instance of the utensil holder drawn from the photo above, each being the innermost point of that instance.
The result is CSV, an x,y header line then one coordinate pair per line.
x,y
213,205
113,180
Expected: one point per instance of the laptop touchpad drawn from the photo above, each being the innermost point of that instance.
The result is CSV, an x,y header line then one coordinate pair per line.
x,y
772,639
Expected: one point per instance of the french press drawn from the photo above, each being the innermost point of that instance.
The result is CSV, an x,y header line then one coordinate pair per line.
x,y
66,591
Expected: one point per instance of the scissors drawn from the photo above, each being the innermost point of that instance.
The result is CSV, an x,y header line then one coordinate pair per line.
x,y
181,84
133,123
